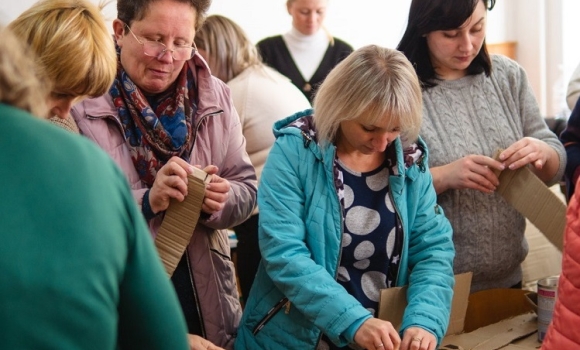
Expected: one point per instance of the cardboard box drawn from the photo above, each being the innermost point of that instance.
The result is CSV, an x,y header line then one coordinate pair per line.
x,y
487,320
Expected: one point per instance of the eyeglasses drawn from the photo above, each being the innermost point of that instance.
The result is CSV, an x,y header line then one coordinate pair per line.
x,y
158,49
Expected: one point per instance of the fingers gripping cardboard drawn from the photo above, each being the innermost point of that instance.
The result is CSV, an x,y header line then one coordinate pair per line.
x,y
533,199
180,221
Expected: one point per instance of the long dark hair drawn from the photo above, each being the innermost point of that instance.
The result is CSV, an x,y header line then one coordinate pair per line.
x,y
426,16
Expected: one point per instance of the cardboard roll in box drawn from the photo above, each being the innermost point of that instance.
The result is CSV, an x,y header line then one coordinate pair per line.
x,y
486,320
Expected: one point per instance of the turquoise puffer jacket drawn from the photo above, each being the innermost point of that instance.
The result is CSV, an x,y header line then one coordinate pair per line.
x,y
295,297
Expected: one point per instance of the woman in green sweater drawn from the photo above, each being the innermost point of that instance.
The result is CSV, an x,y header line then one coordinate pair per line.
x,y
79,269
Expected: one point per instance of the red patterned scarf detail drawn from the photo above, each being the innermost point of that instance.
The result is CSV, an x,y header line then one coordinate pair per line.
x,y
157,128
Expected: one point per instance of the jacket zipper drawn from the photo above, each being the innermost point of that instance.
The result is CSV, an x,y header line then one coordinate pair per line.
x,y
271,313
195,296
196,129
402,230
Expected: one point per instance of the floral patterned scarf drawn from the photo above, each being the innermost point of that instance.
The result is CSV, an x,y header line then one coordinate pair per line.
x,y
156,129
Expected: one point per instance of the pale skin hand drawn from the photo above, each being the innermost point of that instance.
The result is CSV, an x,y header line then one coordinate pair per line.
x,y
198,343
428,340
170,182
374,332
543,158
216,192
472,171
475,171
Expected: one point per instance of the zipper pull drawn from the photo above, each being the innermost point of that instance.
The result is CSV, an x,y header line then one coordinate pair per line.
x,y
287,307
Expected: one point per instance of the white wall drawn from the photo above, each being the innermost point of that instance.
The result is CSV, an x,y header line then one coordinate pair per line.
x,y
369,22
545,30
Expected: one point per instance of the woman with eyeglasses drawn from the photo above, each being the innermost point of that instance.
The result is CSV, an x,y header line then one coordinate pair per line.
x,y
475,104
163,115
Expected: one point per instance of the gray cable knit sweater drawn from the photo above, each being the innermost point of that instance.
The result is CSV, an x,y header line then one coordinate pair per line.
x,y
478,115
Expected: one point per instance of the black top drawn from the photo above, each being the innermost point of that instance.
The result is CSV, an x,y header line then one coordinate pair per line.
x,y
275,54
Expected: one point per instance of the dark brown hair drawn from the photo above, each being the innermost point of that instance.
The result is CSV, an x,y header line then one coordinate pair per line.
x,y
426,16
135,10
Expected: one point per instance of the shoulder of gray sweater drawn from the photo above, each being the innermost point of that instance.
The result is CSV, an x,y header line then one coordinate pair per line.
x,y
505,67
509,75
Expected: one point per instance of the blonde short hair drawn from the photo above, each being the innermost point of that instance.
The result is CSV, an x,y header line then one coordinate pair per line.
x,y
229,50
72,45
371,82
19,85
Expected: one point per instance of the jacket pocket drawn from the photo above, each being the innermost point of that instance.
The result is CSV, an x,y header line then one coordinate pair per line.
x,y
271,313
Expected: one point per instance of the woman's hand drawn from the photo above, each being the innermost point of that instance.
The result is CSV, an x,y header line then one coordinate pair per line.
x,y
376,334
170,182
416,338
472,171
216,192
198,343
529,150
526,151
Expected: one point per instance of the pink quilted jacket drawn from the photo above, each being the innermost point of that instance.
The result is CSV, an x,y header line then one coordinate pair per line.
x,y
219,141
564,331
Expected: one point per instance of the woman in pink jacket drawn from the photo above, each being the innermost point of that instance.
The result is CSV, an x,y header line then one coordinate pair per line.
x,y
163,115
564,332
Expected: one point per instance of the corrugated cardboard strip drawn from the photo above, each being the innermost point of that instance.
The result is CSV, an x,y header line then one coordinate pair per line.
x,y
179,222
533,199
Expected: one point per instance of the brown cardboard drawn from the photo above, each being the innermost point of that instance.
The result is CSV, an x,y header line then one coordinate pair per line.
x,y
534,200
494,336
180,220
527,343
543,259
393,301
494,305
497,318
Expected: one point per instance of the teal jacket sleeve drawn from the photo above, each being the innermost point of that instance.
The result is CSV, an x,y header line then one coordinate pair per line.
x,y
431,253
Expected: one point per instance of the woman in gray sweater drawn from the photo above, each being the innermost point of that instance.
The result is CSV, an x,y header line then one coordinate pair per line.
x,y
474,105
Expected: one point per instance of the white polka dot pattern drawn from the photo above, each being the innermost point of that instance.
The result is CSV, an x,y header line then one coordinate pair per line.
x,y
371,285
343,274
348,197
379,180
346,239
362,264
364,250
362,221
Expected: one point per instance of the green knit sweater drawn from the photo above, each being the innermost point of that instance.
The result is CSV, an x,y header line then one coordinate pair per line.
x,y
78,266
